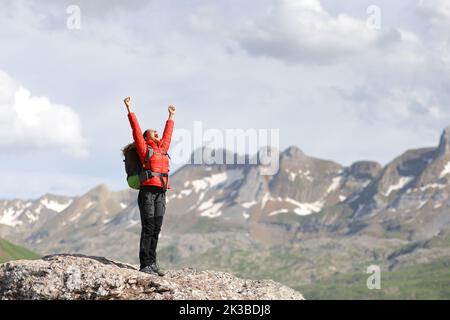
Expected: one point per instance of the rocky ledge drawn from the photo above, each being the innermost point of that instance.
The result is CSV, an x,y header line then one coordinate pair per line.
x,y
67,276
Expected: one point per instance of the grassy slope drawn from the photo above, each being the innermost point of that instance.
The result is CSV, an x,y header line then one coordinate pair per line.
x,y
423,281
305,267
9,251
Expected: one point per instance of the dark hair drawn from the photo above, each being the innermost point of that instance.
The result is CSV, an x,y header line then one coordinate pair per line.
x,y
129,148
131,160
145,134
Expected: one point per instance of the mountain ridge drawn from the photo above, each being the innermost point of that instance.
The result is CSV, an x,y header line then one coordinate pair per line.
x,y
219,214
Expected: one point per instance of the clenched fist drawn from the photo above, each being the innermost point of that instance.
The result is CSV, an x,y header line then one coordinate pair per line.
x,y
172,110
127,102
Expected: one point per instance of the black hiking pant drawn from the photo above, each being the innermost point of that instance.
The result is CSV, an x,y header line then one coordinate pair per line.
x,y
152,206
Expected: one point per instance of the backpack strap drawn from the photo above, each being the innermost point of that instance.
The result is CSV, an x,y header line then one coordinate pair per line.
x,y
148,156
147,174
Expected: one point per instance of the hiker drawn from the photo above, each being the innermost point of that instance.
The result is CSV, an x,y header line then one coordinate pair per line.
x,y
153,157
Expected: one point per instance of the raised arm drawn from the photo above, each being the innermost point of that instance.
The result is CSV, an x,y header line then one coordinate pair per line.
x,y
168,129
137,132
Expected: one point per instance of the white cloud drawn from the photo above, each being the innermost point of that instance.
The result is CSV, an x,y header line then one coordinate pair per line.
x,y
436,15
389,85
434,9
303,31
28,122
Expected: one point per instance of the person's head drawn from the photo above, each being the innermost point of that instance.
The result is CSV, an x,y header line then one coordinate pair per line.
x,y
151,134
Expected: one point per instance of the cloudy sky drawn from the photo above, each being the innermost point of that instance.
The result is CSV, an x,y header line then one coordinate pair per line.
x,y
337,81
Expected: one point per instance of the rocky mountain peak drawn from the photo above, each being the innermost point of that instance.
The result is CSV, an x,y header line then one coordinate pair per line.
x,y
54,197
365,169
293,152
87,277
444,144
99,191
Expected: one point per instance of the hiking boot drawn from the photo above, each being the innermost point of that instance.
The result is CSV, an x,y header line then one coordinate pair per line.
x,y
155,268
148,270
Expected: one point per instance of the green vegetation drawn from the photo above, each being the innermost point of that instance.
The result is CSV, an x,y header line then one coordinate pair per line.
x,y
442,240
326,268
9,251
422,281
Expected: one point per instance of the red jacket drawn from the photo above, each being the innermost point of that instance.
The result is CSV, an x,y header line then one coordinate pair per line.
x,y
158,161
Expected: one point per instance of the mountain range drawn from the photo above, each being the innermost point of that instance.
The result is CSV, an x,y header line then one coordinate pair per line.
x,y
314,220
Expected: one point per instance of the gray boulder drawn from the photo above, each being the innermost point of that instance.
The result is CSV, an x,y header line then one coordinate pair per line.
x,y
85,277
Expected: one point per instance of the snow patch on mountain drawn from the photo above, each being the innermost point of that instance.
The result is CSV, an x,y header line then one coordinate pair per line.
x,y
133,222
89,204
306,175
403,181
180,195
278,212
226,177
54,205
335,183
200,198
432,186
421,204
38,209
198,185
212,210
31,217
304,209
216,179
206,205
446,170
264,200
75,217
292,176
301,207
249,204
184,192
11,217
308,208
437,205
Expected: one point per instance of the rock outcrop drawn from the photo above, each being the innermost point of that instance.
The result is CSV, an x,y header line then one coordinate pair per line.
x,y
85,277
